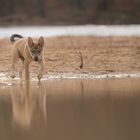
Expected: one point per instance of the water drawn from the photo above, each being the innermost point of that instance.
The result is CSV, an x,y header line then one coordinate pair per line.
x,y
95,109
83,30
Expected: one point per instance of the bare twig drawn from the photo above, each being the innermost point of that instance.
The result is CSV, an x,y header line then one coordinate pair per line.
x,y
110,38
81,58
79,53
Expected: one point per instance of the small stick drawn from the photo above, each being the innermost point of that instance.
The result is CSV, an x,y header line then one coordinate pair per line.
x,y
81,58
78,53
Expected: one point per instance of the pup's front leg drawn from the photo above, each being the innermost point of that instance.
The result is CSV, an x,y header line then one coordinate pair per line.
x,y
41,68
21,70
26,66
12,70
13,63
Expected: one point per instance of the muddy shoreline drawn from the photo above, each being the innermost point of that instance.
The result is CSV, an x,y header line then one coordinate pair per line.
x,y
5,77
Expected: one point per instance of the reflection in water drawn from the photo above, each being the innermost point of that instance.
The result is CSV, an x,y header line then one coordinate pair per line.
x,y
104,109
28,106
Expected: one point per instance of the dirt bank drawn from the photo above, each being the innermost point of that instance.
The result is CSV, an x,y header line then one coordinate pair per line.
x,y
107,54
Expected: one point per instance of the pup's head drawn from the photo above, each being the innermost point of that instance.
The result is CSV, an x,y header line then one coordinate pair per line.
x,y
36,48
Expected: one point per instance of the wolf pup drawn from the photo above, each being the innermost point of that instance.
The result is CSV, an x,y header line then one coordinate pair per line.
x,y
27,50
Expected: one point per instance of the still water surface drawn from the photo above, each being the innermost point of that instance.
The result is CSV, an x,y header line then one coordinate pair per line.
x,y
99,109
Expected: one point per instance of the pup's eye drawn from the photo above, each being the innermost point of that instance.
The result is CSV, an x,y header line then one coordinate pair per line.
x,y
38,51
33,51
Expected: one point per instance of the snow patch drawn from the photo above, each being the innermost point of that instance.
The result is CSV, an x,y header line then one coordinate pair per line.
x,y
75,30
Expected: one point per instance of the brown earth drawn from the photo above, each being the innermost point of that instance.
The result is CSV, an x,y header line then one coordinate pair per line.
x,y
100,54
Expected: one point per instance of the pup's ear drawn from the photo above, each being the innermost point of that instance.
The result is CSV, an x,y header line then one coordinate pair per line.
x,y
30,42
41,41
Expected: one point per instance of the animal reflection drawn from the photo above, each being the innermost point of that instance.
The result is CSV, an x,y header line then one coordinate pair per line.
x,y
29,105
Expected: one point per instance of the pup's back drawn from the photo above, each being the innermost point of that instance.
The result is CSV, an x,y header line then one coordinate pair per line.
x,y
19,43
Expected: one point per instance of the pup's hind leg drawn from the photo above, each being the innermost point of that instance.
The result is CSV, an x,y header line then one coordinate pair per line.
x,y
22,68
13,63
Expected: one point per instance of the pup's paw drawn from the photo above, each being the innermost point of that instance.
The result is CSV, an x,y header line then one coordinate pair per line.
x,y
20,74
39,77
12,76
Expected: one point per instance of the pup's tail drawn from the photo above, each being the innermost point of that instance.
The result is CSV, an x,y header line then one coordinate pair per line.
x,y
12,38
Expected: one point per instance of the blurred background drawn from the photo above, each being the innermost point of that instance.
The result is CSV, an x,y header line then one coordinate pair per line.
x,y
68,12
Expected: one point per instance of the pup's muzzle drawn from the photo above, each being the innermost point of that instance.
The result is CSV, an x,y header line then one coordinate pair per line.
x,y
36,58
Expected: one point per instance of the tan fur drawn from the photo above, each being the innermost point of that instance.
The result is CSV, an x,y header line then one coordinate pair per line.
x,y
21,50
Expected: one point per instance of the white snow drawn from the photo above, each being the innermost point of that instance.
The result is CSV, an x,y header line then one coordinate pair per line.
x,y
93,30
